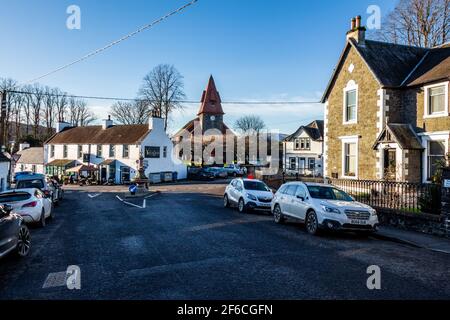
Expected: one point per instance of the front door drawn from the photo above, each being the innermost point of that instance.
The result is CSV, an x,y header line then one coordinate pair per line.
x,y
390,164
125,174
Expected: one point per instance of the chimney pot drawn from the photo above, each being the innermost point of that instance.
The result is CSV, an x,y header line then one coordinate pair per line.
x,y
358,22
353,25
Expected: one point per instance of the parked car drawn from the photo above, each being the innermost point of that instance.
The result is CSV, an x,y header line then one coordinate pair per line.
x,y
234,170
200,174
14,234
58,188
247,195
219,173
38,181
322,206
23,173
32,204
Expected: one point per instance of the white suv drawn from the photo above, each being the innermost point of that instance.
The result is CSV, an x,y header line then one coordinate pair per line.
x,y
248,194
322,206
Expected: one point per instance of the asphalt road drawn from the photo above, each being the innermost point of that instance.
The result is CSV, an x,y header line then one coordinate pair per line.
x,y
185,245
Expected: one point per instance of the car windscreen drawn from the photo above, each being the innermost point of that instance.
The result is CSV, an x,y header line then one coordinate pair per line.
x,y
255,186
328,193
14,197
29,184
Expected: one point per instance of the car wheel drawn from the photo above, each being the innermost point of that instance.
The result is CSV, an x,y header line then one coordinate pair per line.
x,y
312,225
226,202
42,221
278,215
241,206
23,242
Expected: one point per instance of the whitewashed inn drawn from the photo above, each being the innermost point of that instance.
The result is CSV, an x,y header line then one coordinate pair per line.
x,y
112,150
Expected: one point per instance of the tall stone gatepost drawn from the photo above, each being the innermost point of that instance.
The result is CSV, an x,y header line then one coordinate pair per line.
x,y
446,199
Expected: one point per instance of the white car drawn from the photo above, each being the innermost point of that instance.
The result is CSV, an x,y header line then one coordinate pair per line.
x,y
247,195
322,206
32,204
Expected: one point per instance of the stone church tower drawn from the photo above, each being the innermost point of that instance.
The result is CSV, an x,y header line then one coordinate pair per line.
x,y
211,113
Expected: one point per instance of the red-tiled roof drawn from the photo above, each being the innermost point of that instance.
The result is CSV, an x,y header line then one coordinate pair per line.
x,y
123,134
211,102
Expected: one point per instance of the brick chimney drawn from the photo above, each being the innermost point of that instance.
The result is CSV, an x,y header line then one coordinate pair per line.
x,y
357,31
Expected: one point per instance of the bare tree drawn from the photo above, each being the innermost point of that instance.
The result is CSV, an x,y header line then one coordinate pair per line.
x,y
162,90
249,124
61,103
131,112
79,113
421,23
28,99
7,85
49,108
36,105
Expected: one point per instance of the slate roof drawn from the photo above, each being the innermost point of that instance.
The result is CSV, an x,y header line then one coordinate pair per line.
x,y
403,134
435,66
398,66
314,130
121,134
31,156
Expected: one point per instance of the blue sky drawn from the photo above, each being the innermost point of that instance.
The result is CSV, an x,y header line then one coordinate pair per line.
x,y
256,50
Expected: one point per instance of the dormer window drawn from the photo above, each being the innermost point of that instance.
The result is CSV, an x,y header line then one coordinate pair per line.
x,y
436,101
351,103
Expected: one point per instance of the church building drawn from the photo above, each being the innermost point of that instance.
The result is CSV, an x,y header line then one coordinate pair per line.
x,y
208,124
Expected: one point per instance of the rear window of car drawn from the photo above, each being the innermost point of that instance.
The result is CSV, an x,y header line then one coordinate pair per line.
x,y
29,184
14,197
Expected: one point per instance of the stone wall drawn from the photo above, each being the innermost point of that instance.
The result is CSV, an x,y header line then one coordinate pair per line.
x,y
433,124
366,127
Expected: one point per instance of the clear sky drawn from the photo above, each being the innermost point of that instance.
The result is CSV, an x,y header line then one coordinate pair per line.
x,y
256,50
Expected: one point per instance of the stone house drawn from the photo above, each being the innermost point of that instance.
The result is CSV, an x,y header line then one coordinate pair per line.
x,y
387,110
113,150
303,150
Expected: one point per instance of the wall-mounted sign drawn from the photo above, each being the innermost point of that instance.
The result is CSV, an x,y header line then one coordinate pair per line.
x,y
152,152
86,158
446,183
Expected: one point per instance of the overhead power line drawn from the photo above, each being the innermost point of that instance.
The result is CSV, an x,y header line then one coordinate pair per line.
x,y
176,101
93,53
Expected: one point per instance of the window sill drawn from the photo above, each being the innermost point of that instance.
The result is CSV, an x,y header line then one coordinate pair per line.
x,y
437,115
349,177
350,122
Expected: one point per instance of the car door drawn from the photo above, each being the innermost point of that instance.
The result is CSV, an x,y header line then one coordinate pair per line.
x,y
299,203
8,230
288,197
232,191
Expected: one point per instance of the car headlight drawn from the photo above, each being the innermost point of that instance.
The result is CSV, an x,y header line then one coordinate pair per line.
x,y
330,210
251,197
373,212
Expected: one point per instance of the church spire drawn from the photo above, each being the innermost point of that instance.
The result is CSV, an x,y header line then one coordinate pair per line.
x,y
211,103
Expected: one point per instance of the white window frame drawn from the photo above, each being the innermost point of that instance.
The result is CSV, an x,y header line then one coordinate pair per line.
x,y
444,113
344,141
426,138
351,85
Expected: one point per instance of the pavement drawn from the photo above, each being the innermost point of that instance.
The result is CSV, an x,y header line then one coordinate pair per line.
x,y
184,245
416,239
